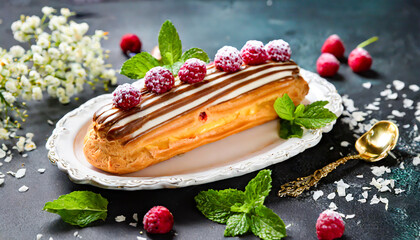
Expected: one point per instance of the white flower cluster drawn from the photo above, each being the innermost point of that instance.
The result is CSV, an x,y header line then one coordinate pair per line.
x,y
61,59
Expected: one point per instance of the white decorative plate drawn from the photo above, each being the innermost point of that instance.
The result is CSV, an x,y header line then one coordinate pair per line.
x,y
235,155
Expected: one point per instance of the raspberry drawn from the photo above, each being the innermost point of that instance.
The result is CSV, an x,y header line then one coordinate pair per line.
x,y
158,220
278,50
327,65
333,45
126,96
329,225
159,80
360,60
130,43
253,53
192,71
228,59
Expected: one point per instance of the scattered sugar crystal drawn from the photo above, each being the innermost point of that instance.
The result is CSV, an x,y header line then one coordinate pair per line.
x,y
39,236
2,153
359,176
416,160
399,85
333,206
133,224
331,195
41,170
135,217
1,181
379,171
362,200
23,189
399,190
345,144
414,87
349,197
367,85
398,113
317,194
350,216
20,173
120,218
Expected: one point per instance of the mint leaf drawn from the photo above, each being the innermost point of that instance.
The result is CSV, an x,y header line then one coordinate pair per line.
x,y
284,107
169,43
299,110
175,67
195,53
290,130
266,224
79,207
215,205
237,224
315,117
137,66
317,104
258,188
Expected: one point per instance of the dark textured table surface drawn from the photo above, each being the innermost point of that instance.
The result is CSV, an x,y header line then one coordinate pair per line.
x,y
211,25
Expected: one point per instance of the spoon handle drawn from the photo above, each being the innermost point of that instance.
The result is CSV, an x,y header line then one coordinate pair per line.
x,y
295,188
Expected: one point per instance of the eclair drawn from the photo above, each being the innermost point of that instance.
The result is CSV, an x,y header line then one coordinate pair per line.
x,y
188,116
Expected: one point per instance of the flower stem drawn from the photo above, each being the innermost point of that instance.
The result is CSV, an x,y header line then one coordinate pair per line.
x,y
367,42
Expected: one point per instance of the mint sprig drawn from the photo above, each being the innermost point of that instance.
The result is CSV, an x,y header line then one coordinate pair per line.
x,y
243,211
79,207
293,118
170,48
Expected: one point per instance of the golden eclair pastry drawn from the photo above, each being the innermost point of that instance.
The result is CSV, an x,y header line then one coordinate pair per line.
x,y
189,115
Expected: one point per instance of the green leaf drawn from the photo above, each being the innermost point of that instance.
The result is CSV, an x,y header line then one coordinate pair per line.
x,y
299,110
237,224
169,43
175,67
315,117
215,205
195,53
137,66
316,104
266,224
79,207
290,130
258,188
284,107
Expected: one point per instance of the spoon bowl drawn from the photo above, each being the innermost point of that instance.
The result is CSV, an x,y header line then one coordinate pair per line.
x,y
376,143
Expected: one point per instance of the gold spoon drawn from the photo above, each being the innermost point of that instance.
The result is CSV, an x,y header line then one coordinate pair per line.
x,y
372,146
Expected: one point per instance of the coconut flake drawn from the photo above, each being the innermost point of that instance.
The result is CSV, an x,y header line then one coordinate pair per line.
x,y
367,85
379,171
41,170
385,201
375,183
385,92
398,113
332,206
350,216
8,158
341,188
345,144
399,85
141,238
2,153
1,181
359,176
407,103
374,200
414,87
133,224
23,189
50,122
362,200
416,160
331,195
399,190
349,197
76,233
365,194
135,217
39,236
317,194
20,173
371,106
120,218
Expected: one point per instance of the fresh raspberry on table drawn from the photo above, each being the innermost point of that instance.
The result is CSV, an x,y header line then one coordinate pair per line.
x,y
158,220
327,65
329,225
360,60
192,71
333,45
130,43
126,96
159,80
253,53
278,50
228,59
